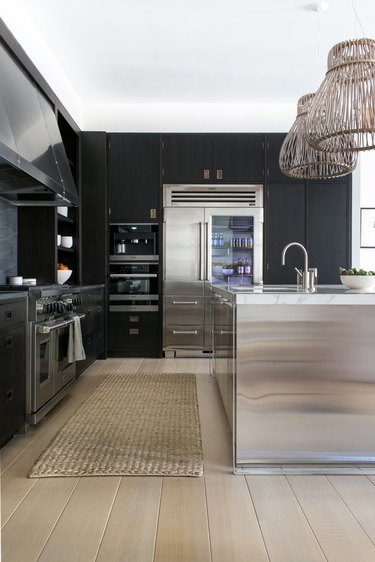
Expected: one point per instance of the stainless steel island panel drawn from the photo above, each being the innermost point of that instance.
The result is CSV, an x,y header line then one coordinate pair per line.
x,y
305,385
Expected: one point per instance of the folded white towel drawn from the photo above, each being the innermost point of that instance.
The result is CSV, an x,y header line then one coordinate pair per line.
x,y
76,351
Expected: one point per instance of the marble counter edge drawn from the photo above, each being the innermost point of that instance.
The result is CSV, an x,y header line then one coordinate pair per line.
x,y
327,295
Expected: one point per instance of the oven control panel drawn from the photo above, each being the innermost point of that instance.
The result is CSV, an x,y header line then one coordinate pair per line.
x,y
57,305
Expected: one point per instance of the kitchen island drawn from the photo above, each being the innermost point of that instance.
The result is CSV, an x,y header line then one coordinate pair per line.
x,y
296,372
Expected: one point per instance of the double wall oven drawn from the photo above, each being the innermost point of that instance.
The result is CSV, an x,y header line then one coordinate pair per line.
x,y
133,289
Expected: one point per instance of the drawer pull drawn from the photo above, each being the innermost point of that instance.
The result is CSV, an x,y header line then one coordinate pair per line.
x,y
8,342
206,174
133,331
219,174
9,394
133,318
8,315
185,302
224,332
192,332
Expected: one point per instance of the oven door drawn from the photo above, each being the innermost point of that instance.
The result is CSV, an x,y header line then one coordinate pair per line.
x,y
44,368
65,371
134,287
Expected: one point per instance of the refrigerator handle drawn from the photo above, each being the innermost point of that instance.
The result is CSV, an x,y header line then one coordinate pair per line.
x,y
208,251
201,252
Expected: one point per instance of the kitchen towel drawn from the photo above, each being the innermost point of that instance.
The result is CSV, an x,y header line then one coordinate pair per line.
x,y
76,350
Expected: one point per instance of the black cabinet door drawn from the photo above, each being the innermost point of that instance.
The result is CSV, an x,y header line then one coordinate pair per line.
x,y
213,158
238,158
133,335
285,221
134,177
187,158
329,228
274,142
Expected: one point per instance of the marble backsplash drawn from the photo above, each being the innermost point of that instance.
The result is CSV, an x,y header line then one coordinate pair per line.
x,y
8,241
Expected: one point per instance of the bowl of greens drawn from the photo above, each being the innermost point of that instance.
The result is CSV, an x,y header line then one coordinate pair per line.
x,y
359,279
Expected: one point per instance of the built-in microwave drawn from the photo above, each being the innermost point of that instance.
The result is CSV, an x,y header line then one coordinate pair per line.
x,y
134,286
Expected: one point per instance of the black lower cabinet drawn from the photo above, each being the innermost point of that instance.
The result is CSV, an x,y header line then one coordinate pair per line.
x,y
92,327
134,334
12,370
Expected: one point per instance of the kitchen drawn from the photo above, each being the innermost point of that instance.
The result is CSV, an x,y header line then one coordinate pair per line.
x,y
233,534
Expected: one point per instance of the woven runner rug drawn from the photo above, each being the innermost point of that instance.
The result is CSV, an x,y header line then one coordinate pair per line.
x,y
132,424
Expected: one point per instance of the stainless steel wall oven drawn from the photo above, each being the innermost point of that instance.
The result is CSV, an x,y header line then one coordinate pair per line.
x,y
134,287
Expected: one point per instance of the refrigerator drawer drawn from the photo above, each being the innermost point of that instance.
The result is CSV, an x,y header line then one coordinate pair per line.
x,y
184,310
183,337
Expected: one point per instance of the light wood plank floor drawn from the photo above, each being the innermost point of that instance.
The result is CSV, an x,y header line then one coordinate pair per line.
x,y
217,518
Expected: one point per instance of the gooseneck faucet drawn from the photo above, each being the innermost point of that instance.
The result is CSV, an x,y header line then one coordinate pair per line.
x,y
307,281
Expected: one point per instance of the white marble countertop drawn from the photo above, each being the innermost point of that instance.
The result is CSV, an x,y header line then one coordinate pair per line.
x,y
290,294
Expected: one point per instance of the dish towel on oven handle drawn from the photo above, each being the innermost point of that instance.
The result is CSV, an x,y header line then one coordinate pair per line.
x,y
76,351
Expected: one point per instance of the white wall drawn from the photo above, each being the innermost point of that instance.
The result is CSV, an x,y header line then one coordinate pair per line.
x,y
366,199
23,28
193,117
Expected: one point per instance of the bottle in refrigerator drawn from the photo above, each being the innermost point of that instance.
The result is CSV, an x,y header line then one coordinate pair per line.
x,y
247,267
240,267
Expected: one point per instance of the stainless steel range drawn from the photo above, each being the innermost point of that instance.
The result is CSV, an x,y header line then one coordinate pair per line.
x,y
51,312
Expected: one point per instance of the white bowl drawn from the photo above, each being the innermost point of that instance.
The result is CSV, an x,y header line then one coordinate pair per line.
x,y
63,211
63,275
66,241
360,282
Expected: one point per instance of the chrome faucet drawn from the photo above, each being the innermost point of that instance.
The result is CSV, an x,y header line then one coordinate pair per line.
x,y
308,275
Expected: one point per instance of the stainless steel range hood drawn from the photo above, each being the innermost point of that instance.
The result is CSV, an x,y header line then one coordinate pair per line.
x,y
34,168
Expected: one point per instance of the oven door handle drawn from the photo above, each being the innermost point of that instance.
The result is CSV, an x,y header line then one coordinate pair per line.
x,y
132,275
48,329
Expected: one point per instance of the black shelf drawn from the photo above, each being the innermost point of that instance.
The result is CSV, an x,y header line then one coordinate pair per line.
x,y
61,218
62,249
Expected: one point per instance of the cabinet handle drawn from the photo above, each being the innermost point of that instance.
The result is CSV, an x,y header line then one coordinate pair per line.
x,y
8,315
184,302
206,174
9,394
133,331
8,342
152,213
133,318
219,174
193,332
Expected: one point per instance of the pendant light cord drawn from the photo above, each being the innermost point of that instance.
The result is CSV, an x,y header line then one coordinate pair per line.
x,y
318,48
356,19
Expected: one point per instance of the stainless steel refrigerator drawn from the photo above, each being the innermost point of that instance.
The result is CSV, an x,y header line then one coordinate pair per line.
x,y
211,234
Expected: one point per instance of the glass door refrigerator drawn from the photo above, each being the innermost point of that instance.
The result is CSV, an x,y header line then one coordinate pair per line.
x,y
212,234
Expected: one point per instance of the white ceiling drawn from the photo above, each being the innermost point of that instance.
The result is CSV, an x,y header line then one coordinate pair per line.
x,y
187,51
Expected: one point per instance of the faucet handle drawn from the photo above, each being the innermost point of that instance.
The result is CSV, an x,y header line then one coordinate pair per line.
x,y
299,271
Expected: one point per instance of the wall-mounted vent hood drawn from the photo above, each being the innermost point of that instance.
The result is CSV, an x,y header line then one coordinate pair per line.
x,y
34,168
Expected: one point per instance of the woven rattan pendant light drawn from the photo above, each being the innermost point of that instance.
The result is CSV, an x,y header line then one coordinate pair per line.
x,y
342,113
298,159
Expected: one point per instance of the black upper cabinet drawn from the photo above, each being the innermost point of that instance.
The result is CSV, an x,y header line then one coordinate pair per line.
x,y
134,176
273,146
187,158
213,158
238,158
285,219
329,231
